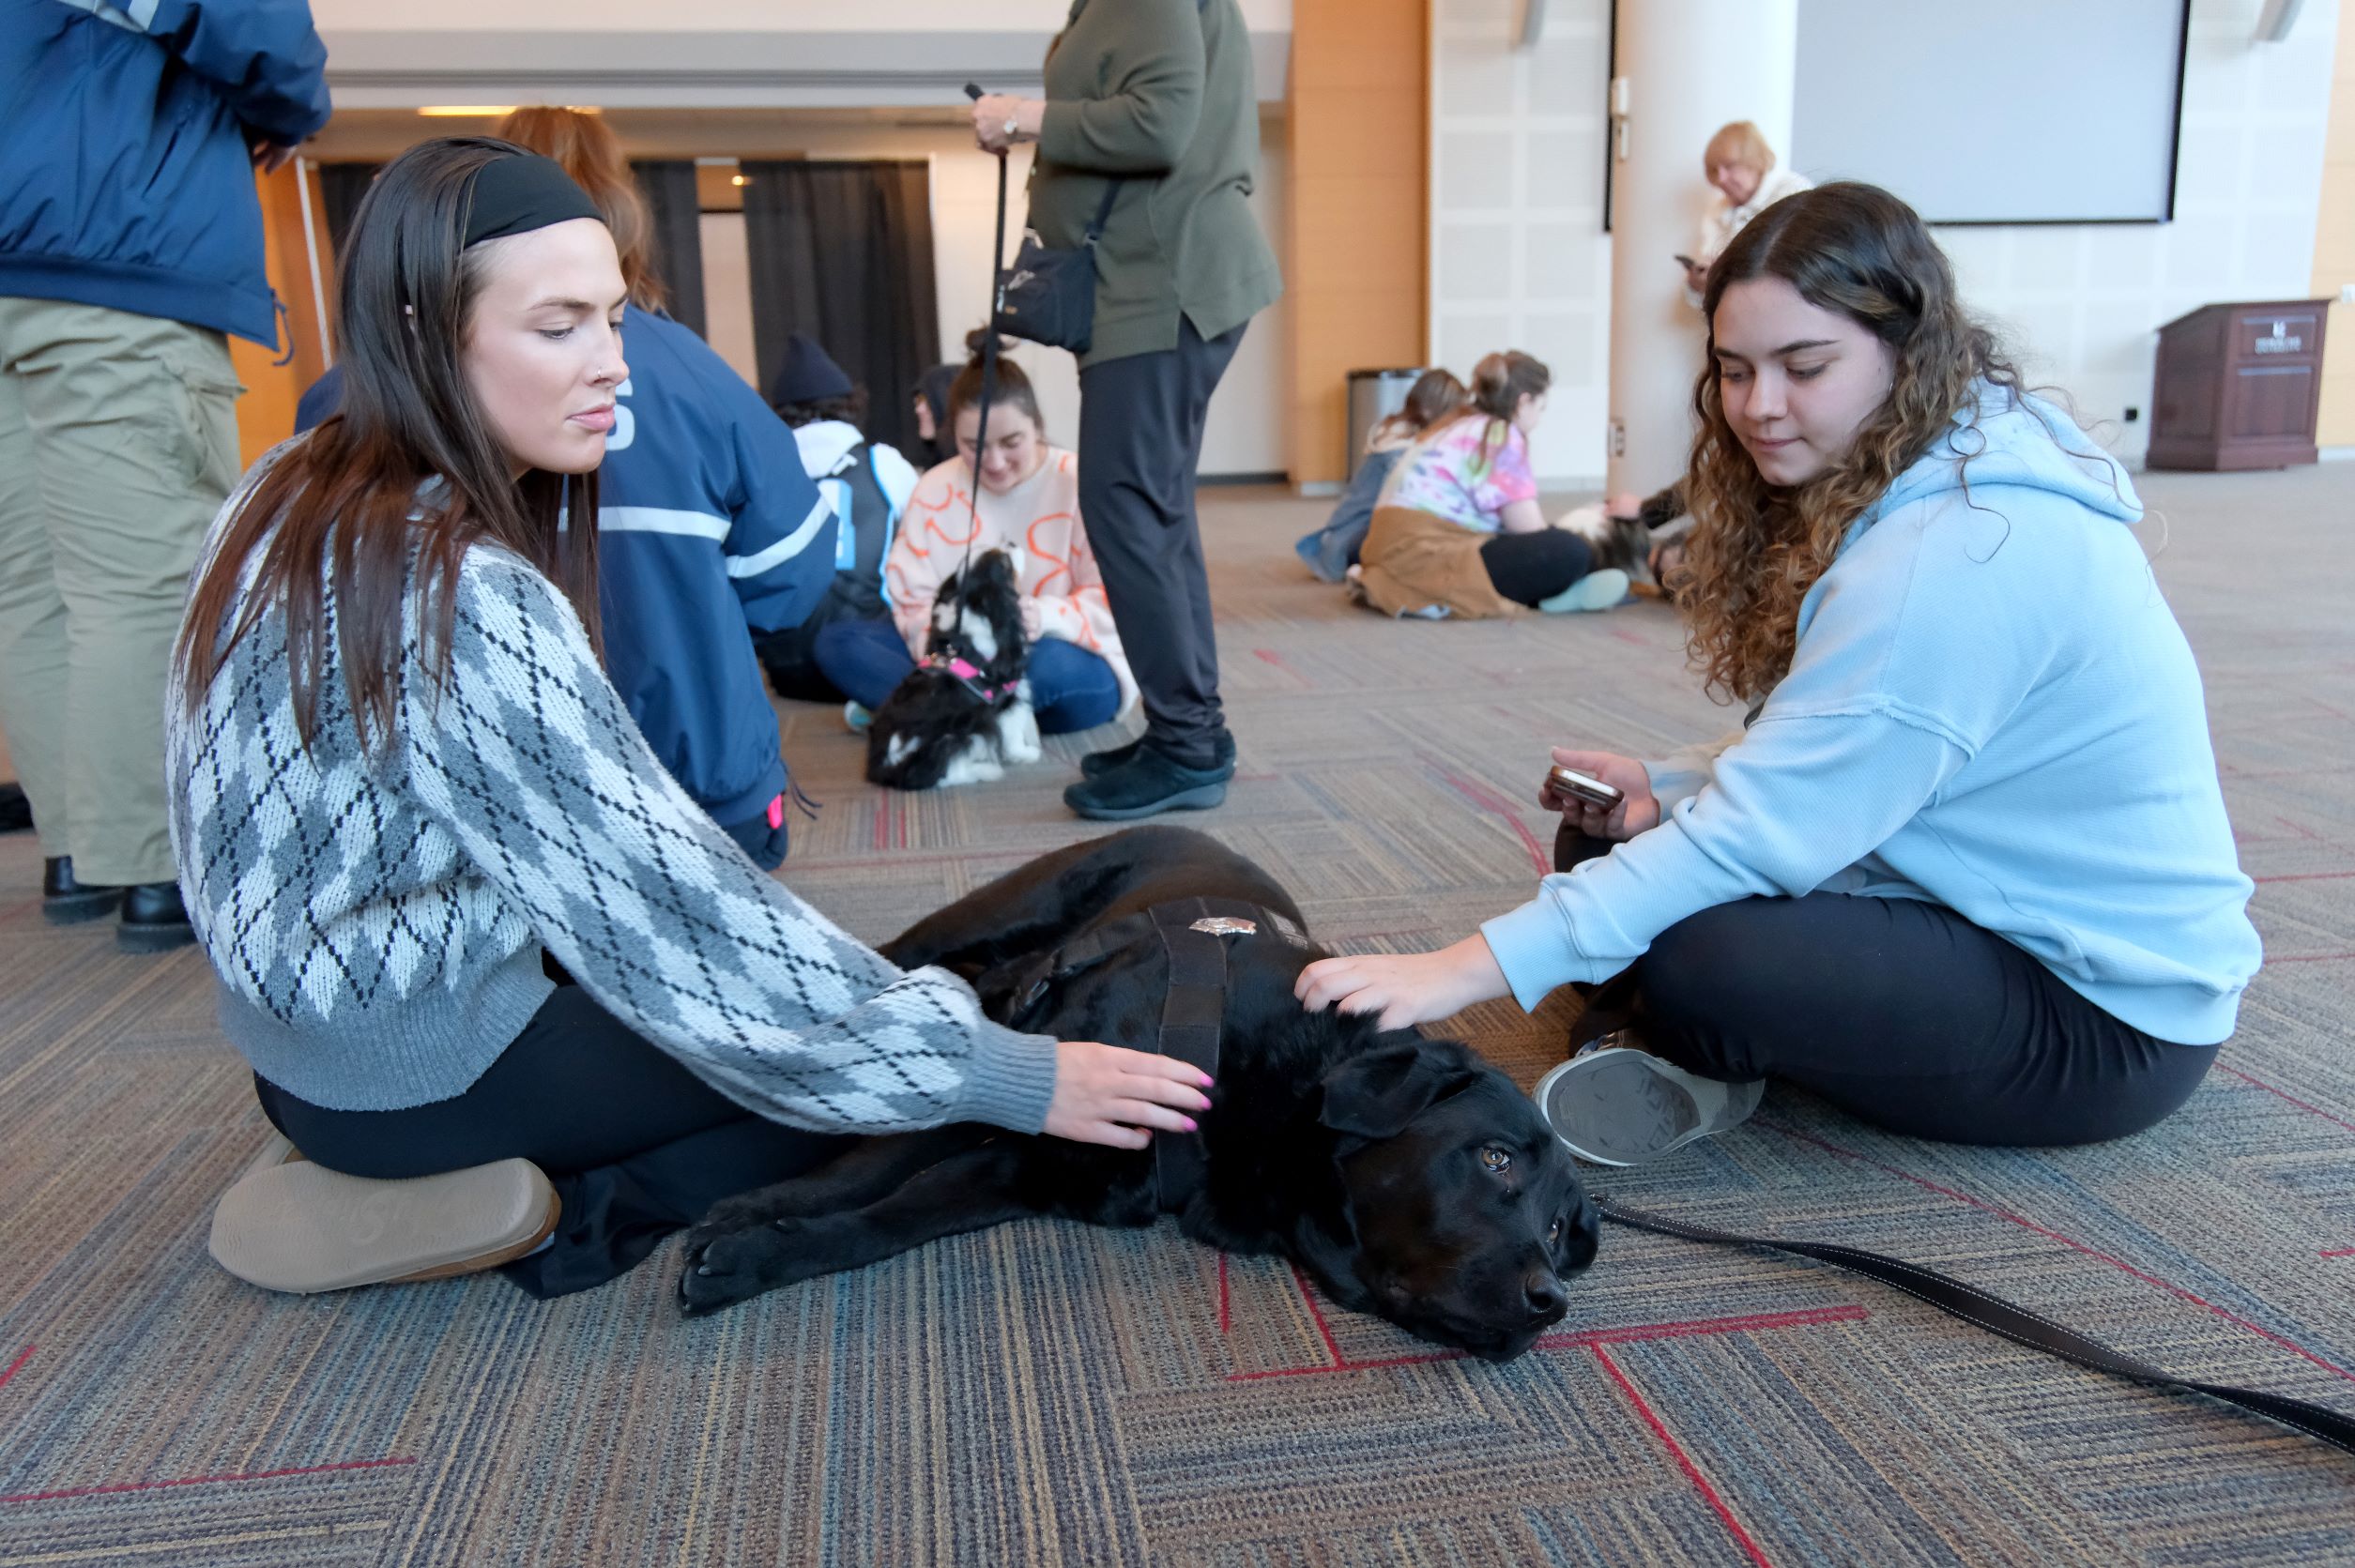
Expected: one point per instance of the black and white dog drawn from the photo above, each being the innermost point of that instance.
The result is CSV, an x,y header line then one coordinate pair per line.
x,y
1407,1176
965,711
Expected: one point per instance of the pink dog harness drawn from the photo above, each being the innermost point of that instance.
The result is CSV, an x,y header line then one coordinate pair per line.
x,y
969,675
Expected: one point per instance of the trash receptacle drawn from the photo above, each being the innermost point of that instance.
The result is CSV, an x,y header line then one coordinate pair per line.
x,y
1373,395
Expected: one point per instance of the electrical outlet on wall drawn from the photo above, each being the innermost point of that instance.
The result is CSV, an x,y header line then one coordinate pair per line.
x,y
2347,294
2133,414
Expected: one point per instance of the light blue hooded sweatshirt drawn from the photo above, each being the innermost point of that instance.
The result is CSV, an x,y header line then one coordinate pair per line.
x,y
1991,707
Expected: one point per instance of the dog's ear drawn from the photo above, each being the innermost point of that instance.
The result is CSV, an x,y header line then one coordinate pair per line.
x,y
1377,1092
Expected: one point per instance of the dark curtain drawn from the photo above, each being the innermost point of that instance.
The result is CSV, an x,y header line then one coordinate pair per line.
x,y
341,187
843,252
670,190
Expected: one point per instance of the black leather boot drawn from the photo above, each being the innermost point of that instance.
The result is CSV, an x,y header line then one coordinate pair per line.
x,y
66,902
1097,763
154,919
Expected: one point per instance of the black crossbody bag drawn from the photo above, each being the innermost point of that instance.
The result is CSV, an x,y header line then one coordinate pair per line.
x,y
1050,297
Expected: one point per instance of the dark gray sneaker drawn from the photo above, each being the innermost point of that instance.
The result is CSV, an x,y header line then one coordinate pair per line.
x,y
1615,1104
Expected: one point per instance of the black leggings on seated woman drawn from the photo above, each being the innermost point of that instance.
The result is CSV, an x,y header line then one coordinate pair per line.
x,y
1899,1012
636,1146
1527,568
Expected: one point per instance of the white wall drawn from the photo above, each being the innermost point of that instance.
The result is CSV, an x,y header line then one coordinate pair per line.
x,y
1520,258
727,293
2083,303
1250,419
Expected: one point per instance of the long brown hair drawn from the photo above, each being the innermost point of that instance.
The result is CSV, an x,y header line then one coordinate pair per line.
x,y
346,514
1436,396
591,153
1756,549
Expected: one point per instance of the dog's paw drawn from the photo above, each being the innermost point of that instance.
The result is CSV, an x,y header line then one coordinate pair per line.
x,y
1017,735
726,1267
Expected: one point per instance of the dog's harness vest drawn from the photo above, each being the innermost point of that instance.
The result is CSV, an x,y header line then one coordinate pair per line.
x,y
968,674
1195,932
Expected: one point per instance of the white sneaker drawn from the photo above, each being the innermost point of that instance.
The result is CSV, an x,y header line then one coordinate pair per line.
x,y
858,718
1615,1104
1597,590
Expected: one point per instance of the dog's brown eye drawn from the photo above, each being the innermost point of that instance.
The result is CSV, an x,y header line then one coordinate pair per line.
x,y
1553,1234
1495,1157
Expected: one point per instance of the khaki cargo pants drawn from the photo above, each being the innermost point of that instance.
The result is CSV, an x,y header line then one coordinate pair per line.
x,y
118,442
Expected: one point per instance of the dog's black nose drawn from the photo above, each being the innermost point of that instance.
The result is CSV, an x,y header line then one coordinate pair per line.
x,y
1547,1299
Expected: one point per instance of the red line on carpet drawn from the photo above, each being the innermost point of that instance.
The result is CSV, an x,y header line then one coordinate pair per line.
x,y
1684,1460
2269,1089
882,820
1226,1312
1332,1347
204,1480
1269,656
1627,636
2305,877
2308,957
17,1366
1632,1333
2340,1252
1486,798
2071,1243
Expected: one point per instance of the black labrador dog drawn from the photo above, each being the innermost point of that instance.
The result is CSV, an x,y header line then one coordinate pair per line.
x,y
1409,1177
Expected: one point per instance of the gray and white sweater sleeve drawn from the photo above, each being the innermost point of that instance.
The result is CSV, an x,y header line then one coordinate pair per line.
x,y
532,762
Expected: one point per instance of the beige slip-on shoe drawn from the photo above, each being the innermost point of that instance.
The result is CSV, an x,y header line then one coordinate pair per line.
x,y
293,1225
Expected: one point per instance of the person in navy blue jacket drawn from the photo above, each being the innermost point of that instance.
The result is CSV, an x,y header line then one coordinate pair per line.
x,y
131,242
710,532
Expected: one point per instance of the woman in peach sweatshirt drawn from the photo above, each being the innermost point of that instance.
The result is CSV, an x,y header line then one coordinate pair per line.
x,y
1030,507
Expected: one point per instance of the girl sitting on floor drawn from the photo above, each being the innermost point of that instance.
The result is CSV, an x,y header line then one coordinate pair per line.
x,y
1029,505
1458,531
1333,549
1966,871
465,926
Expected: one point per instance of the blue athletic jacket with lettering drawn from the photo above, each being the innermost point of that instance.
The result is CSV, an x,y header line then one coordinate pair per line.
x,y
128,182
709,533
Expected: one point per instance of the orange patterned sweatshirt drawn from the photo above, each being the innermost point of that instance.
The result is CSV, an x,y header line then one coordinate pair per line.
x,y
1039,521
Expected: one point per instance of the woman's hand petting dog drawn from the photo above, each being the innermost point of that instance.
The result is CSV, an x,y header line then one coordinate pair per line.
x,y
1637,811
1408,988
1105,1094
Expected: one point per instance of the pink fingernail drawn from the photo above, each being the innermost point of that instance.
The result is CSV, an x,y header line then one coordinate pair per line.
x,y
1189,1123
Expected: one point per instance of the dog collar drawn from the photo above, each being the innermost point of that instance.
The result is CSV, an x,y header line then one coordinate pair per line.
x,y
970,674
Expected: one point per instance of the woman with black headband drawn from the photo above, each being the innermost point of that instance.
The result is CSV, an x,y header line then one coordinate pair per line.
x,y
404,797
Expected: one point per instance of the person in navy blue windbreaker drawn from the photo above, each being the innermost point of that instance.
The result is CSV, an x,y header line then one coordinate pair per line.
x,y
710,532
130,244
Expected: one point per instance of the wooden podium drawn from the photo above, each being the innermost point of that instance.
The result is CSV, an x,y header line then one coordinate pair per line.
x,y
2238,386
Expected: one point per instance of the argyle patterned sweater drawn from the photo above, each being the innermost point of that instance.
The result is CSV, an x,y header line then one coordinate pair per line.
x,y
376,921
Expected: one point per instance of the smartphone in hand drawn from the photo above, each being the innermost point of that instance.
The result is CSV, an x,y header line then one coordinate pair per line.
x,y
1564,785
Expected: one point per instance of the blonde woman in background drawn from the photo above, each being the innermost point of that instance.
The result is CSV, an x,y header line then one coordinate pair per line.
x,y
1741,166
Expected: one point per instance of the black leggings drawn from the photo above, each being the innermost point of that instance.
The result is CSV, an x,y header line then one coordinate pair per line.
x,y
638,1145
1896,1011
1526,568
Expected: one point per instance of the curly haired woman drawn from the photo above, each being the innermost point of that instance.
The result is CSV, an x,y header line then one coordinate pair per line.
x,y
1966,871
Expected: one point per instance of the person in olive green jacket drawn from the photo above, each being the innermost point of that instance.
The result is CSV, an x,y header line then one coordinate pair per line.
x,y
1160,96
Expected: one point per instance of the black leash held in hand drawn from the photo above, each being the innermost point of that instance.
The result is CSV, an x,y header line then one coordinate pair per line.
x,y
989,350
2014,1323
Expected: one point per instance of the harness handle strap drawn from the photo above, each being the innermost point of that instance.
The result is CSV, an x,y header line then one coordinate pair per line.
x,y
2015,1323
1193,1019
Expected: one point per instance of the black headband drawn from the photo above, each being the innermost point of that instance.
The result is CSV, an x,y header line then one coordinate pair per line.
x,y
521,192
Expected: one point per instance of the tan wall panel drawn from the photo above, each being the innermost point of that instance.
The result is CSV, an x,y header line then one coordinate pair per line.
x,y
1358,132
2334,247
266,414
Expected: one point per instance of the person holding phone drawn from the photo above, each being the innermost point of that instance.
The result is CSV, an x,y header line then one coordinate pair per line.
x,y
1741,168
1966,870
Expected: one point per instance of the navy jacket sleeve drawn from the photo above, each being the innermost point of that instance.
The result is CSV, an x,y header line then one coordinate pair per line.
x,y
781,549
264,55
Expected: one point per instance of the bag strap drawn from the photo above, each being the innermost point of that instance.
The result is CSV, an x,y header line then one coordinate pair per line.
x,y
2014,1323
1112,185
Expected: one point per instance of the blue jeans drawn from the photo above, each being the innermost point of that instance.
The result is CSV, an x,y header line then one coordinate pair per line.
x,y
1071,687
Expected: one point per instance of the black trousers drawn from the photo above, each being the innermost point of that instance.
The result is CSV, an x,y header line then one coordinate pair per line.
x,y
1532,567
636,1146
1140,443
1899,1012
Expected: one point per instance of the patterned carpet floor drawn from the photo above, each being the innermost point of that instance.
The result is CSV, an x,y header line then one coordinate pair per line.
x,y
1046,1394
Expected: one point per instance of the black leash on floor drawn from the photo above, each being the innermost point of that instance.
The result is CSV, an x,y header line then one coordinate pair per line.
x,y
2014,1323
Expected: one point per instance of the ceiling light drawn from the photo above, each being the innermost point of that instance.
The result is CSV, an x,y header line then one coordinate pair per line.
x,y
467,110
738,179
